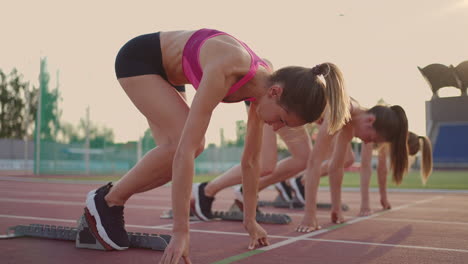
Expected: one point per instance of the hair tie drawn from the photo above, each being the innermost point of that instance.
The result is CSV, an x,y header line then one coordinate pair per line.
x,y
319,69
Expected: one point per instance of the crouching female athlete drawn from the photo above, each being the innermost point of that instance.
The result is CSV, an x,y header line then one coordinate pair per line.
x,y
151,70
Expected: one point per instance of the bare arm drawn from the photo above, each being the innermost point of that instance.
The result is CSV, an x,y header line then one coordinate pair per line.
x,y
251,163
312,178
366,172
204,102
336,170
382,172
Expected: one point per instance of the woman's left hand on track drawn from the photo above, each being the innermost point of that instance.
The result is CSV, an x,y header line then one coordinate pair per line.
x,y
258,235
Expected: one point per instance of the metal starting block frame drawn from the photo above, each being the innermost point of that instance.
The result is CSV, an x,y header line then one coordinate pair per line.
x,y
266,218
279,202
237,215
83,236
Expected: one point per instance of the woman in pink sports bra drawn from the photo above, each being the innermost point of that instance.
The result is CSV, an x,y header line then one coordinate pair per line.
x,y
153,69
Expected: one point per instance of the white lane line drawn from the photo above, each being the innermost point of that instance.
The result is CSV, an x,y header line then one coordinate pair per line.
x,y
406,220
418,221
165,226
55,202
332,241
169,227
83,195
355,220
36,201
387,245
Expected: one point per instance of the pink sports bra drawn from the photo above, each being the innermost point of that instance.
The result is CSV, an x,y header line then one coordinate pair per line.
x,y
191,61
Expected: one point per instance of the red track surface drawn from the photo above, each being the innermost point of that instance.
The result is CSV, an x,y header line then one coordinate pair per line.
x,y
422,228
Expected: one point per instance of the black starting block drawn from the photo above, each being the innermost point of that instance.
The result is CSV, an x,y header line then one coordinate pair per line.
x,y
234,214
83,236
279,202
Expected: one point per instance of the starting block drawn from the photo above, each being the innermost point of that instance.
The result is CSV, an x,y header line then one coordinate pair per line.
x,y
279,202
236,215
83,236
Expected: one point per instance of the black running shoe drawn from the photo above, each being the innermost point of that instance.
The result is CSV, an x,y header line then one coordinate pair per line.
x,y
239,198
298,188
201,204
285,191
107,223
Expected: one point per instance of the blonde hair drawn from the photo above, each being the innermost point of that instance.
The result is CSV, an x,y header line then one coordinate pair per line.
x,y
414,146
307,96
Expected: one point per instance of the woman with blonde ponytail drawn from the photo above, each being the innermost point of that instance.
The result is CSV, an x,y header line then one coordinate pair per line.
x,y
319,97
332,153
415,144
222,69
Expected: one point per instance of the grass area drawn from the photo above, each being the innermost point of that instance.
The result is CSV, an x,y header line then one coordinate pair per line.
x,y
455,180
113,178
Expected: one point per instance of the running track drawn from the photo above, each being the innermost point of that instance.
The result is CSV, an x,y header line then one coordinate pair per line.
x,y
422,227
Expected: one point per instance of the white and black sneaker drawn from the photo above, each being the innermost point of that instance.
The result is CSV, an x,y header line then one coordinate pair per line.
x,y
106,223
284,190
298,187
201,204
239,197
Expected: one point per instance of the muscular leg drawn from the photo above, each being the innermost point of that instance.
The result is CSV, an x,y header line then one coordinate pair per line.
x,y
166,112
234,175
299,145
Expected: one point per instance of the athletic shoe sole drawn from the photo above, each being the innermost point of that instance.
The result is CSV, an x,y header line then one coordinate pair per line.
x,y
195,204
93,217
296,190
239,199
283,192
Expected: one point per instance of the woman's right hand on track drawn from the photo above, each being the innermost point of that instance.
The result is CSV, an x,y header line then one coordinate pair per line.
x,y
177,248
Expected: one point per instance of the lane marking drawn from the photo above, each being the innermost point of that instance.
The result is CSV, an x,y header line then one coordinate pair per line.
x,y
55,202
387,245
257,251
138,196
75,221
322,231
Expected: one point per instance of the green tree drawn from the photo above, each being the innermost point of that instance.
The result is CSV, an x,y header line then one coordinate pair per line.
x,y
18,104
241,129
99,136
50,113
147,142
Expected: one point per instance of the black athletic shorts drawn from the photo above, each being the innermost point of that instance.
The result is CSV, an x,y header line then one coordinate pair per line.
x,y
142,55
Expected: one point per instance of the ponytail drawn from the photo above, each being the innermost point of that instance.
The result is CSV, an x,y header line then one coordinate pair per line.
x,y
414,146
308,97
392,125
426,159
337,98
399,147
